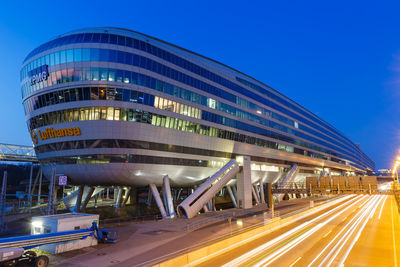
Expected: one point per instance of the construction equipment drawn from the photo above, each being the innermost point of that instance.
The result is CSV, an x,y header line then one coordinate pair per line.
x,y
17,257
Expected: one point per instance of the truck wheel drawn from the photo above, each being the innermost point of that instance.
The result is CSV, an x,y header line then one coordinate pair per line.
x,y
42,261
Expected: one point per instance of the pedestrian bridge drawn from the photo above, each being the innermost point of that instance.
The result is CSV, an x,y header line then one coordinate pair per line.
x,y
21,153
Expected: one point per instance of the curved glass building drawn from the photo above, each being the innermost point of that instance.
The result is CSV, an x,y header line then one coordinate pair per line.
x,y
114,106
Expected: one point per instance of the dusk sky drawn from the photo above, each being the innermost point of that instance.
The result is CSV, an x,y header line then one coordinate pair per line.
x,y
339,59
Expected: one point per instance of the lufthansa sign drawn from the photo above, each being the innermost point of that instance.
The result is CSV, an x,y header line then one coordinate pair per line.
x,y
54,133
39,74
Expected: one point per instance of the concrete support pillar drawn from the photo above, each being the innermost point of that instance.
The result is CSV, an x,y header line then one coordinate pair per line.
x,y
229,189
126,196
157,198
262,192
169,205
87,198
79,199
243,182
108,193
118,200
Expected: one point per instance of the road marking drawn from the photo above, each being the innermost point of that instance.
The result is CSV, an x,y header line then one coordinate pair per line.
x,y
380,212
325,235
291,265
394,239
272,250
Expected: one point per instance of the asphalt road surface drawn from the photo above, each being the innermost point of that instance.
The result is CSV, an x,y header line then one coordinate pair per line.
x,y
363,230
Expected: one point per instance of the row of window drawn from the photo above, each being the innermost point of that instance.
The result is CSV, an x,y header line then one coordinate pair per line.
x,y
136,78
126,158
135,144
108,55
132,144
134,96
165,55
111,113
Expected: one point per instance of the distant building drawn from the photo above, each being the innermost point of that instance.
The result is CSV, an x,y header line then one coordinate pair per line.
x,y
114,106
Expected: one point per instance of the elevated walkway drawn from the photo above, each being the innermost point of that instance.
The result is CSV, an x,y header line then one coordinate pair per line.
x,y
21,153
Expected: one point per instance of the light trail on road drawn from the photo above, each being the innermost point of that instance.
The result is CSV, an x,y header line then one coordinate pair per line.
x,y
295,238
363,230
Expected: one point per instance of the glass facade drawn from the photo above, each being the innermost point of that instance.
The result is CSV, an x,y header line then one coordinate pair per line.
x,y
145,71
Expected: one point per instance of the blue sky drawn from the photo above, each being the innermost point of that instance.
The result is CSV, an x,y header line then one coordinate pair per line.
x,y
339,59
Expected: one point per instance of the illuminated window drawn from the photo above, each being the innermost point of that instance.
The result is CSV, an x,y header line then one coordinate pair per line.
x,y
211,103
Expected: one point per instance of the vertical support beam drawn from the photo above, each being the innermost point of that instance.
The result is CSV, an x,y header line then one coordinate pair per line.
x,y
118,199
253,191
149,197
40,185
270,199
108,193
244,186
30,189
126,196
87,198
262,192
79,199
229,189
205,208
133,196
50,204
157,198
3,201
167,197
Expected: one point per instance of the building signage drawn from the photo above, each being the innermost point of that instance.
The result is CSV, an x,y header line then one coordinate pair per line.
x,y
54,133
39,74
62,180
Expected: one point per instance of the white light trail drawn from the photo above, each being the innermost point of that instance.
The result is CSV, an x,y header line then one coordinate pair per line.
x,y
333,240
341,263
284,249
362,214
380,212
245,257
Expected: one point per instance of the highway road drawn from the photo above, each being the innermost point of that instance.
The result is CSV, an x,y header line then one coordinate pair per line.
x,y
362,230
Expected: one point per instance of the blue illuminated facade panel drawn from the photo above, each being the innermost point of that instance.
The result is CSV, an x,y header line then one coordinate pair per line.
x,y
136,61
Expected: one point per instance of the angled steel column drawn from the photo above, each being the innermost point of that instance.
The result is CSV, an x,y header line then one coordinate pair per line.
x,y
87,198
126,196
262,192
30,189
52,186
229,189
3,201
158,200
118,200
253,191
40,185
167,197
79,199
149,197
